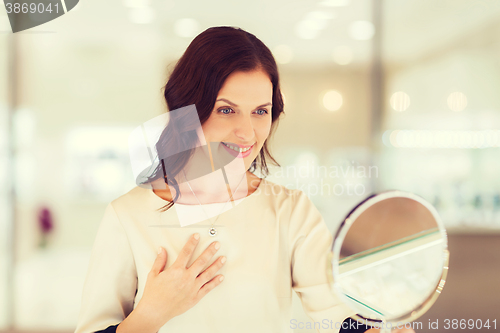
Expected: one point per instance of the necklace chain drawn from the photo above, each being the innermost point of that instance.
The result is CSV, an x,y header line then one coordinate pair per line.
x,y
212,231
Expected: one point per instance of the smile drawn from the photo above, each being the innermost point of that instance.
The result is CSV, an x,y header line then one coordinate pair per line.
x,y
236,148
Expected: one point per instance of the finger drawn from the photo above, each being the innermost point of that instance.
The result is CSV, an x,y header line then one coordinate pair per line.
x,y
160,261
207,287
210,272
204,258
187,251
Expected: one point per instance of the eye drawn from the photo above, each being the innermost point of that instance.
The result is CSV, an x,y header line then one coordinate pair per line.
x,y
262,112
225,110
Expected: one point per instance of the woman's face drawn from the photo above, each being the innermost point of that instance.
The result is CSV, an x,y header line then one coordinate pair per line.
x,y
241,119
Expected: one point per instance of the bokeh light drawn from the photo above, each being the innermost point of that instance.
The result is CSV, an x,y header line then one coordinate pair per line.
x,y
461,139
400,101
142,15
457,101
332,100
312,24
361,30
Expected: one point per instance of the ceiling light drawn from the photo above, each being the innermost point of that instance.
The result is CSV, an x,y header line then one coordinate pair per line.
x,y
400,101
311,25
361,30
457,101
307,29
462,139
332,100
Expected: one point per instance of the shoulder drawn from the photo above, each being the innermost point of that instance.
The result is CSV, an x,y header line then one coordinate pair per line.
x,y
133,199
282,195
295,202
270,188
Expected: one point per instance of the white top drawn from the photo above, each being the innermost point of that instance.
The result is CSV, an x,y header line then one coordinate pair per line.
x,y
275,240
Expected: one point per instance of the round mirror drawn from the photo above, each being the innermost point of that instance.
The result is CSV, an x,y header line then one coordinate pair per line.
x,y
389,259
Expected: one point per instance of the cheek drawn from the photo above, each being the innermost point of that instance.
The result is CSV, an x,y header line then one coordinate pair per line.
x,y
263,130
213,130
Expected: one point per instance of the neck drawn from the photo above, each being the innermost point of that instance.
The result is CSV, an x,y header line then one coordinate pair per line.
x,y
211,188
216,185
207,182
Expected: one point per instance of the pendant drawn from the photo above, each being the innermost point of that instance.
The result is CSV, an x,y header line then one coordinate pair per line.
x,y
212,231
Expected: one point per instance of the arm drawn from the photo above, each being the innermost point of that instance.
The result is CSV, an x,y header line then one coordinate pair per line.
x,y
310,242
111,282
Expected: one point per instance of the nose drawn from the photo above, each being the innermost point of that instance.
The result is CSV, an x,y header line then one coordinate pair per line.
x,y
244,129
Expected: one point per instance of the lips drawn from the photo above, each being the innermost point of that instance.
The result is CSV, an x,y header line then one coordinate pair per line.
x,y
238,150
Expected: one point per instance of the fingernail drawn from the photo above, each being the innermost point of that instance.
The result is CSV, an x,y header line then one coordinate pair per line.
x,y
196,236
217,245
223,260
159,250
221,278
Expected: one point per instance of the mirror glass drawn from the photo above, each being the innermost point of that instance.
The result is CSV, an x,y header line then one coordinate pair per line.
x,y
388,256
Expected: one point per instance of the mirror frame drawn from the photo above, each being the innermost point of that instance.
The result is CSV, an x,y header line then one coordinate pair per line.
x,y
333,256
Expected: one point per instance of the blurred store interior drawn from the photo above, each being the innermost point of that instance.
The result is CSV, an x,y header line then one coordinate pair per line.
x,y
382,94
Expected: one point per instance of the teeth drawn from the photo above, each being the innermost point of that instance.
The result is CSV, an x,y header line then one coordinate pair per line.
x,y
238,149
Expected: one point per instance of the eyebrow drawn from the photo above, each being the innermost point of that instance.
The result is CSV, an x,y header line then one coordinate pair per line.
x,y
232,104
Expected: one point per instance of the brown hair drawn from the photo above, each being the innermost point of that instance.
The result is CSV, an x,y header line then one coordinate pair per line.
x,y
197,78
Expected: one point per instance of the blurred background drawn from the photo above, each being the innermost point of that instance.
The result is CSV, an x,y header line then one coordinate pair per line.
x,y
382,94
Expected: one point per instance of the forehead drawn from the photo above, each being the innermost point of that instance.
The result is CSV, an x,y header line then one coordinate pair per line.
x,y
254,85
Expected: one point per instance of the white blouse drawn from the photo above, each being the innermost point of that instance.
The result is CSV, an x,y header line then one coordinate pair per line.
x,y
275,240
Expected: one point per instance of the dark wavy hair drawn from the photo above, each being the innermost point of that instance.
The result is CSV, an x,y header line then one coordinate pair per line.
x,y
197,78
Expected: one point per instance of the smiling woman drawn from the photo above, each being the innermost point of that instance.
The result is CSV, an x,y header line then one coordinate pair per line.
x,y
270,241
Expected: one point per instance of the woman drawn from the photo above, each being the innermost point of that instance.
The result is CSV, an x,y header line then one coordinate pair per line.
x,y
233,276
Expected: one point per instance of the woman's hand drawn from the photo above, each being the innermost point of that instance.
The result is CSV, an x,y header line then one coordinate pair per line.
x,y
173,291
